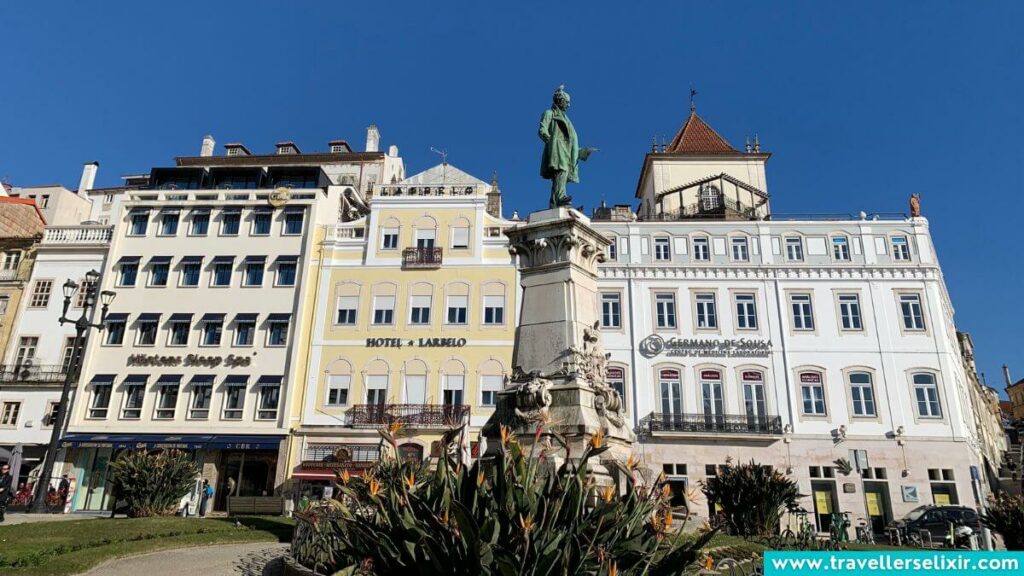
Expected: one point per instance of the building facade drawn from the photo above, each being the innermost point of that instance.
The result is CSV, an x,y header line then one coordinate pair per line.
x,y
413,321
209,261
824,346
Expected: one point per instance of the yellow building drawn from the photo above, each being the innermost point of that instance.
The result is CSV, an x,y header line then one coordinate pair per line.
x,y
413,314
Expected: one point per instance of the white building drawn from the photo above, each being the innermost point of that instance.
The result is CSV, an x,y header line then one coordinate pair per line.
x,y
209,263
802,342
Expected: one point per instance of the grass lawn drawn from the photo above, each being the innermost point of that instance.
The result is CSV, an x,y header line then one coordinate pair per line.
x,y
70,547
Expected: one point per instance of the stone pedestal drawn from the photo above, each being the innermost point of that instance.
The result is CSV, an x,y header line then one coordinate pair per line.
x,y
558,378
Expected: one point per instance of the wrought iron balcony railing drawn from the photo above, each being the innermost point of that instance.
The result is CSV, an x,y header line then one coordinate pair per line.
x,y
409,415
32,373
421,258
713,423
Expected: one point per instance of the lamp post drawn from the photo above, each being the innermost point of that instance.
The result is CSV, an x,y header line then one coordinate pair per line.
x,y
82,327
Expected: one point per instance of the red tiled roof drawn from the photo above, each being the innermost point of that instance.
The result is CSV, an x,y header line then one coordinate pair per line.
x,y
696,137
13,222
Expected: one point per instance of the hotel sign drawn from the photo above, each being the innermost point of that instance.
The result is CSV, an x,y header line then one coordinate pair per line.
x,y
655,345
229,361
415,342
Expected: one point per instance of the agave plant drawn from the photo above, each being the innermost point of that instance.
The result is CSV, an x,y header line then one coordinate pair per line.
x,y
516,514
152,484
752,497
1005,515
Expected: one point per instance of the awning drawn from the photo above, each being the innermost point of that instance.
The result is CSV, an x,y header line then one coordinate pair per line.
x,y
139,210
170,210
290,258
181,441
181,316
128,259
191,259
255,258
236,379
169,379
202,380
231,210
223,258
160,260
102,379
200,210
213,317
262,209
147,316
269,381
279,316
242,316
136,379
116,317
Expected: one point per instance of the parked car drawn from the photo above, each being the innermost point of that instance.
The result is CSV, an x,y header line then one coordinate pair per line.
x,y
936,521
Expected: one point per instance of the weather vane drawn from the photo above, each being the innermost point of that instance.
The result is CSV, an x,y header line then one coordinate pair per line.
x,y
692,94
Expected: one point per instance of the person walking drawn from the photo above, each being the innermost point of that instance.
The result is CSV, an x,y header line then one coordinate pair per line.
x,y
205,498
6,484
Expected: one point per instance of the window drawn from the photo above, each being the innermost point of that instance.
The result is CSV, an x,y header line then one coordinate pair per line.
x,y
746,312
179,332
222,272
133,395
202,395
292,223
200,223
389,239
277,332
913,317
253,272
710,198
147,328
270,397
662,249
611,310
840,249
453,387
245,330
926,393
86,289
376,389
489,388
229,222
234,398
101,388
707,316
9,418
26,350
286,270
671,387
754,403
849,312
794,249
862,394
129,272
212,331
458,309
41,294
167,397
337,389
712,401
425,237
613,249
665,310
419,310
701,249
460,238
261,222
169,223
812,391
137,223
616,378
383,310
159,270
347,306
494,310
803,315
190,270
12,260
740,252
115,330
900,248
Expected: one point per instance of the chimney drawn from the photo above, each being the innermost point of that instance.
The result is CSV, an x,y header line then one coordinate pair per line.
x,y
88,177
393,151
1006,374
208,144
372,138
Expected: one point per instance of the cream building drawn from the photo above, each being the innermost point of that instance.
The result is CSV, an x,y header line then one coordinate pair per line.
x,y
808,343
412,314
209,261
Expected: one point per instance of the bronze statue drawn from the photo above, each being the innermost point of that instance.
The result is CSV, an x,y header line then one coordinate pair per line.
x,y
915,205
562,151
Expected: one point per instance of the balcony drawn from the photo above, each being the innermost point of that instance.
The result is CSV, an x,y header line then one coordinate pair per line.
x,y
414,258
82,235
415,416
8,275
735,424
32,374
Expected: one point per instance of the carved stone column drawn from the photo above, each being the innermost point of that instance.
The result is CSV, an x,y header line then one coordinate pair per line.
x,y
558,375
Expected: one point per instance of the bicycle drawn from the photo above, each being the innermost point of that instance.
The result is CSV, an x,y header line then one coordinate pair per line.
x,y
865,533
805,535
839,523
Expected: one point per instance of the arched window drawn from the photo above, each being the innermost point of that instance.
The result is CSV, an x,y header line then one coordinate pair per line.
x,y
339,383
492,380
415,382
671,391
753,398
812,393
862,394
711,397
376,380
616,378
454,375
926,394
710,198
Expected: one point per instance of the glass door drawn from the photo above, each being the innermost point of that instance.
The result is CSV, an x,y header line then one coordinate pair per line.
x,y
753,401
671,399
713,403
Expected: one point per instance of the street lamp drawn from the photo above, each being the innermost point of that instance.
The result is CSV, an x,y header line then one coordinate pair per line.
x,y
82,327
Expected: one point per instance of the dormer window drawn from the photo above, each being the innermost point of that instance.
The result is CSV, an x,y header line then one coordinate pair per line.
x,y
284,148
237,150
710,198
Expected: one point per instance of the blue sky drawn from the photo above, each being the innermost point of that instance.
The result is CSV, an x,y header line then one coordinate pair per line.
x,y
861,103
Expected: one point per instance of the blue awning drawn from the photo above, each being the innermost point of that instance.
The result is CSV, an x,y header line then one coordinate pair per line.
x,y
213,317
169,379
180,441
236,379
202,380
181,316
223,258
255,258
147,316
191,259
231,210
160,260
279,316
269,381
291,258
129,259
117,317
102,379
241,316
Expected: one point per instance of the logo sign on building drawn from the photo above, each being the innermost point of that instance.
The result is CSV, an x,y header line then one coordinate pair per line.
x,y
229,361
417,342
810,378
710,375
752,376
654,345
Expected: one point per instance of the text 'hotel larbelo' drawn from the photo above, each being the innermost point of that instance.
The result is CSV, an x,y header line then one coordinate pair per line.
x,y
275,310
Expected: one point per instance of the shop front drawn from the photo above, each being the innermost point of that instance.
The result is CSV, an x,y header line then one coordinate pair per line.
x,y
245,465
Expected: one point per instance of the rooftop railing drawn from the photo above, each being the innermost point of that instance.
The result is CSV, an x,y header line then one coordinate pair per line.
x,y
77,235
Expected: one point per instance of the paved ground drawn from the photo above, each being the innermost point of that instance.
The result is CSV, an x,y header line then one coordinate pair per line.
x,y
12,518
227,560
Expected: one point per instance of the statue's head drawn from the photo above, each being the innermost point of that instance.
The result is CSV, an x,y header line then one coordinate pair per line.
x,y
561,98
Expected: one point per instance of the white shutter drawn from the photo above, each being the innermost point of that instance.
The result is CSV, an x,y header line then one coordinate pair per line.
x,y
454,382
458,301
348,302
460,237
419,302
379,382
384,303
426,234
416,388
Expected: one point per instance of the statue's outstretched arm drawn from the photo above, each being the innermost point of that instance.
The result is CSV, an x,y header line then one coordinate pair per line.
x,y
586,152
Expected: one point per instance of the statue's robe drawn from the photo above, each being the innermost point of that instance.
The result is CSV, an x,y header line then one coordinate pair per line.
x,y
561,148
